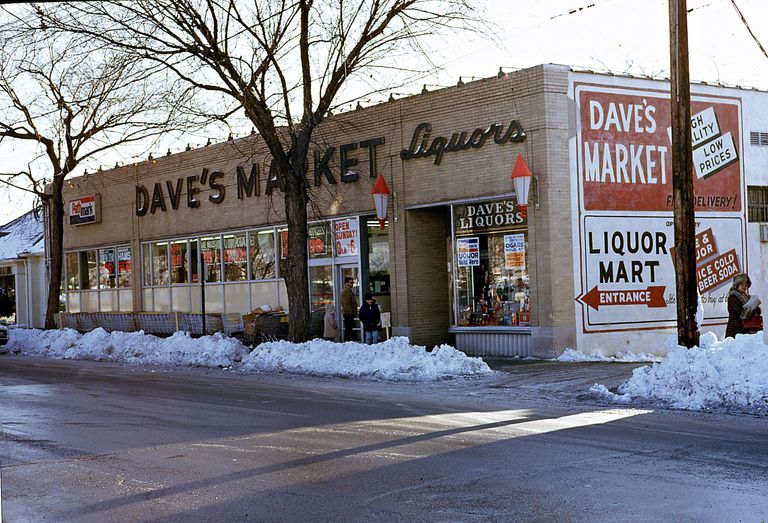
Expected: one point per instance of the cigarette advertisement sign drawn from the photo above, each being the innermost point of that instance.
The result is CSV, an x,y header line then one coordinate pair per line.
x,y
514,251
84,210
622,191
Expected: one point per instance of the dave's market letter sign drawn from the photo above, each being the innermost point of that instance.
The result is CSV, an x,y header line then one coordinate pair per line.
x,y
625,275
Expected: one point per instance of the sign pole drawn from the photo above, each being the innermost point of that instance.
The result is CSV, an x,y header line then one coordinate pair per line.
x,y
682,176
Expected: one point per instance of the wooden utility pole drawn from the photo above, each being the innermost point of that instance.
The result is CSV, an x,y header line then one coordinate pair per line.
x,y
682,176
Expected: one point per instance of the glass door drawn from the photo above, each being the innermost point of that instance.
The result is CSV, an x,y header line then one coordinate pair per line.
x,y
321,293
343,272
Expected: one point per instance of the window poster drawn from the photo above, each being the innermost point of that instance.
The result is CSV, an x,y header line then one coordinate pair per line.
x,y
346,237
514,251
468,251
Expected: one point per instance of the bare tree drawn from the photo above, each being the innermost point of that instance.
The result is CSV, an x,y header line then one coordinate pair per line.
x,y
74,101
284,63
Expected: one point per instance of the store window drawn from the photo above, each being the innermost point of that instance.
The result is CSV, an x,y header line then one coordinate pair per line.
x,y
262,245
194,272
89,272
283,235
319,240
73,272
179,262
235,258
160,263
124,267
491,264
378,257
107,269
146,256
100,272
210,250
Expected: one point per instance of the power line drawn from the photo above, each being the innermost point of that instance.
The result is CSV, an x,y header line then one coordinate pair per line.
x,y
572,11
744,20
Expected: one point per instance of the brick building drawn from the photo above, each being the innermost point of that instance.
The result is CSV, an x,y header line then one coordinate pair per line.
x,y
458,260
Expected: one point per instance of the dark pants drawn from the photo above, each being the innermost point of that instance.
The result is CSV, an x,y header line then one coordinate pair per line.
x,y
349,325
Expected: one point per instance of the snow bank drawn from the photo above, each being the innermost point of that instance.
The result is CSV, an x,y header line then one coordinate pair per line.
x,y
129,347
572,355
731,374
394,360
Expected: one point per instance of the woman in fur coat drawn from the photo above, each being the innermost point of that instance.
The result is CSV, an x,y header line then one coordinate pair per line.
x,y
741,306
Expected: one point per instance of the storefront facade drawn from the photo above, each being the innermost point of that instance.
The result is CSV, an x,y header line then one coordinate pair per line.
x,y
459,260
23,281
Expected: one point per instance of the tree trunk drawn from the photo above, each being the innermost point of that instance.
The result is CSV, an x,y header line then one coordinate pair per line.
x,y
56,238
296,278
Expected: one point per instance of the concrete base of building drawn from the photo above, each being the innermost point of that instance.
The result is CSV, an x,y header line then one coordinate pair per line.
x,y
550,342
402,331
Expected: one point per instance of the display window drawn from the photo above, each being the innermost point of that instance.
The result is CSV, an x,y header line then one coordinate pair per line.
x,y
124,267
492,282
73,272
179,262
262,254
319,240
235,257
378,257
100,272
146,256
194,271
160,263
210,251
89,270
320,287
283,235
107,269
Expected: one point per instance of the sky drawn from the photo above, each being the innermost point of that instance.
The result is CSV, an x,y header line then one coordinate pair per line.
x,y
623,36
729,375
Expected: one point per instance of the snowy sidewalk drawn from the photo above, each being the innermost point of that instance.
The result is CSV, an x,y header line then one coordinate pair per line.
x,y
726,376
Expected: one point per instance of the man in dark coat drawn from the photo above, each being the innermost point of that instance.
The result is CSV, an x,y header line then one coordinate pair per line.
x,y
741,306
370,315
348,308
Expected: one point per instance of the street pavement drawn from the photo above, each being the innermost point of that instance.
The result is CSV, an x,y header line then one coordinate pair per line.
x,y
94,442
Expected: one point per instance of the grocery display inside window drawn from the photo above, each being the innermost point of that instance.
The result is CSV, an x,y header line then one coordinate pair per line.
x,y
492,282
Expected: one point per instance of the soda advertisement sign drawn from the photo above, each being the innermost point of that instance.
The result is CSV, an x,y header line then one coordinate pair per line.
x,y
624,271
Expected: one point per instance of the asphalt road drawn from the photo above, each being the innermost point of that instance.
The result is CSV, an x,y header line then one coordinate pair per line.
x,y
84,441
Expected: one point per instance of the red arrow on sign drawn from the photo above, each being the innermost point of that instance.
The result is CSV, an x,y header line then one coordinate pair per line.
x,y
652,296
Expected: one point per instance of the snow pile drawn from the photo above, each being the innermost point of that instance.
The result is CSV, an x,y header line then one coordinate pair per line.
x,y
731,375
129,347
572,355
394,360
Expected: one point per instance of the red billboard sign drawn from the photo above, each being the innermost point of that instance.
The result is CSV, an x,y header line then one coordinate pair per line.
x,y
625,149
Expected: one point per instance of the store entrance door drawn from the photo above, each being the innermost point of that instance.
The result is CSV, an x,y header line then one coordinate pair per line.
x,y
343,272
321,293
